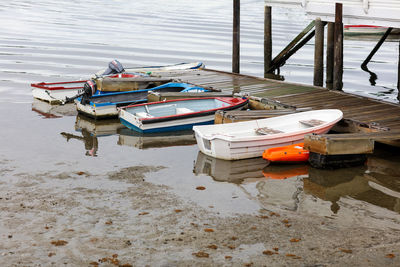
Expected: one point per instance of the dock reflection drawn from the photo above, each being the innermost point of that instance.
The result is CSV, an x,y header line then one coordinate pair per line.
x,y
360,183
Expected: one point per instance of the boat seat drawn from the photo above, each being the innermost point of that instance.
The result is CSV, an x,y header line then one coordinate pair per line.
x,y
143,115
267,130
183,110
312,123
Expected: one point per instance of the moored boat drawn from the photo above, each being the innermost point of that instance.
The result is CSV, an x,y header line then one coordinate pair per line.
x,y
150,69
179,114
105,105
58,92
249,139
292,153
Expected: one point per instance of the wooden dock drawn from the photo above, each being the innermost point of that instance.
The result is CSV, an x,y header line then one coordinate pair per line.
x,y
361,114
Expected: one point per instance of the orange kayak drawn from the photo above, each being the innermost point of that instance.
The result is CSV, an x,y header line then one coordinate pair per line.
x,y
292,153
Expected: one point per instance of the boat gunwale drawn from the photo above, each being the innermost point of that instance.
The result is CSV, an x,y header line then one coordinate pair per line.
x,y
269,137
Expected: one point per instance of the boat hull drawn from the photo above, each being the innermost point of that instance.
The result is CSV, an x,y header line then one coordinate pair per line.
x,y
176,115
240,141
106,105
54,96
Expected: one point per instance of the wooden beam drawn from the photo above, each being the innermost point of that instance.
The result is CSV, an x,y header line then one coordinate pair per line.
x,y
267,39
398,76
319,53
338,54
283,55
376,48
236,37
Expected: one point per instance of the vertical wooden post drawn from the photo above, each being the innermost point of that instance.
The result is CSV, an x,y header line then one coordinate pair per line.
x,y
329,55
398,76
338,54
236,37
319,53
267,39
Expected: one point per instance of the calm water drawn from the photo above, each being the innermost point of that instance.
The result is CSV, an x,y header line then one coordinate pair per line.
x,y
47,40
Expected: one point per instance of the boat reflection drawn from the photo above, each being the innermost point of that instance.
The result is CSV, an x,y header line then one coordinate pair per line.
x,y
282,171
155,140
48,111
236,171
97,127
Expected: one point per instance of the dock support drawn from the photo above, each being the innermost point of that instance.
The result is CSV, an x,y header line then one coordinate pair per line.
x,y
329,55
299,41
319,53
236,37
376,48
398,76
338,54
267,39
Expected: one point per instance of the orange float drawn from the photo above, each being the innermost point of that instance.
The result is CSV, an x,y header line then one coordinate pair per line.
x,y
292,153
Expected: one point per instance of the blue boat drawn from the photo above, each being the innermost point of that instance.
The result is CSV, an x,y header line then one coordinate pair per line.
x,y
105,105
176,115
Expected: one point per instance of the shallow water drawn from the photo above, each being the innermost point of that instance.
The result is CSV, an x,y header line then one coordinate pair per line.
x,y
66,40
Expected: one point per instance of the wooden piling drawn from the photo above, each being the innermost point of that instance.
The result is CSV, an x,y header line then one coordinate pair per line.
x,y
267,39
398,76
338,54
319,53
329,55
236,37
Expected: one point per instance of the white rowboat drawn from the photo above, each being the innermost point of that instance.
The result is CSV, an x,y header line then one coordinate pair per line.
x,y
249,139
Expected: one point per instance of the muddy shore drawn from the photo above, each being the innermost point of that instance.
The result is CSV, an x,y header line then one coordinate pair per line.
x,y
132,222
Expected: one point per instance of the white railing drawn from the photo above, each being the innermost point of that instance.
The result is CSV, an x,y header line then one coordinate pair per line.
x,y
370,12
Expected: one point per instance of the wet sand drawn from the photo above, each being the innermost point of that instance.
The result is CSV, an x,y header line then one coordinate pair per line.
x,y
128,220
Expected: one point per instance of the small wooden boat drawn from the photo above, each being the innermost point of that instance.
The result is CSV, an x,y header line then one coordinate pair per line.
x,y
105,105
355,30
292,153
179,114
249,139
59,92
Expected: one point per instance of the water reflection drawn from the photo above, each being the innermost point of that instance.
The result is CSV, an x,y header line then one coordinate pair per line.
x,y
236,171
90,141
360,183
266,184
97,127
155,140
91,129
376,183
48,111
282,171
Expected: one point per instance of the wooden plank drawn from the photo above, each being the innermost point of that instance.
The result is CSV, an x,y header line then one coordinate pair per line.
x,y
246,115
285,91
157,96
